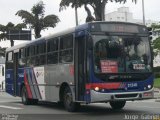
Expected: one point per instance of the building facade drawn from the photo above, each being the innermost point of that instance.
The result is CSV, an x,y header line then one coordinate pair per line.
x,y
123,14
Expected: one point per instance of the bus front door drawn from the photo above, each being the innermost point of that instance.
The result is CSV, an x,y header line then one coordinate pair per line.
x,y
15,73
80,67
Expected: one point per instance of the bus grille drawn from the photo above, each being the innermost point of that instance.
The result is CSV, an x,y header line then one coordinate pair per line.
x,y
126,95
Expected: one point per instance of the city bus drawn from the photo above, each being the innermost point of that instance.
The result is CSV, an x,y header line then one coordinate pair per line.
x,y
97,62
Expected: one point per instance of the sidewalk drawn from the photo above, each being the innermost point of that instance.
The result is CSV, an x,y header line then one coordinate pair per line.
x,y
157,94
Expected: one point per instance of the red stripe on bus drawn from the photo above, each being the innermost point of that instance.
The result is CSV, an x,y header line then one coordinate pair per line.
x,y
40,97
71,70
103,85
27,85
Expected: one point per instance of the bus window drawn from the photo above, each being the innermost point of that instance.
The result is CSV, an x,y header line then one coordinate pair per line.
x,y
52,58
42,48
10,56
42,59
52,49
27,51
32,50
9,61
21,53
52,45
21,60
66,49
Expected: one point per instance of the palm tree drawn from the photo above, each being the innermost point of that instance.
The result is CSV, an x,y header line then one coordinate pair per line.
x,y
8,27
36,18
2,52
97,5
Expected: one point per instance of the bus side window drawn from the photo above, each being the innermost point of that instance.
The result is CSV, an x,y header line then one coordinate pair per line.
x,y
21,60
42,53
66,49
9,60
52,51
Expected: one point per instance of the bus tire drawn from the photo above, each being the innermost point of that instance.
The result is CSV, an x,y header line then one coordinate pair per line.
x,y
69,105
117,105
34,101
24,96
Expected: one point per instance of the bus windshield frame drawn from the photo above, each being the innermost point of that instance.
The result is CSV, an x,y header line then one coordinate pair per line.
x,y
132,54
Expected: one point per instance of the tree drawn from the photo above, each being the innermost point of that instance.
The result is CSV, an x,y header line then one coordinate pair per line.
x,y
2,52
156,42
10,26
97,5
36,18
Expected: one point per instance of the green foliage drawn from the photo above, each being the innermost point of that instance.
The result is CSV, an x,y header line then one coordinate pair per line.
x,y
156,71
155,26
156,46
2,51
157,83
10,26
26,16
36,18
156,42
38,9
97,5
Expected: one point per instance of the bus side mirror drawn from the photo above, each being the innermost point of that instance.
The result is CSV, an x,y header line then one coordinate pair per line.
x,y
90,43
150,32
150,37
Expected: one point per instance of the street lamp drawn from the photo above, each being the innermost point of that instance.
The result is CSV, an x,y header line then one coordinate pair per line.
x,y
143,12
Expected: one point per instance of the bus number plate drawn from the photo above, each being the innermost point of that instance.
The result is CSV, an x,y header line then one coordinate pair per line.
x,y
132,85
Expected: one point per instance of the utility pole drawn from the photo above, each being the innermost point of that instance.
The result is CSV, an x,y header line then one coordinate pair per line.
x,y
76,13
12,42
143,11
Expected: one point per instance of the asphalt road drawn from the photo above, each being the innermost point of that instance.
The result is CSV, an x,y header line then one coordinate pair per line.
x,y
12,109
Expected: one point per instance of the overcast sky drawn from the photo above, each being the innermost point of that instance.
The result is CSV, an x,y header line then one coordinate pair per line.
x,y
8,8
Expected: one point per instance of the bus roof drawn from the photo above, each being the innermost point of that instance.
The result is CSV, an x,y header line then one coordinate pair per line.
x,y
71,30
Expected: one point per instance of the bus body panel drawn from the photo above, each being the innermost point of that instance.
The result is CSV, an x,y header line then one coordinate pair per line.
x,y
20,80
108,91
55,76
9,81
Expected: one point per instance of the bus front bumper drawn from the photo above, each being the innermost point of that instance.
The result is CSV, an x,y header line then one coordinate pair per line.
x,y
127,96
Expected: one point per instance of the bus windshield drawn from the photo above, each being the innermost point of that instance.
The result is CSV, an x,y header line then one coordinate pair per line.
x,y
119,54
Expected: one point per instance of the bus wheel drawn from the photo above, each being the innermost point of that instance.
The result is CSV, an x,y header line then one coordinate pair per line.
x,y
68,101
34,101
25,99
117,105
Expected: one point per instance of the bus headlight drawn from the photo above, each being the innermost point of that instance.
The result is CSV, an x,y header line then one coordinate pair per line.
x,y
96,88
149,86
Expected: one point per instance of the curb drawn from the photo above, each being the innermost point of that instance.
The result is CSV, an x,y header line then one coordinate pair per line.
x,y
158,100
157,91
